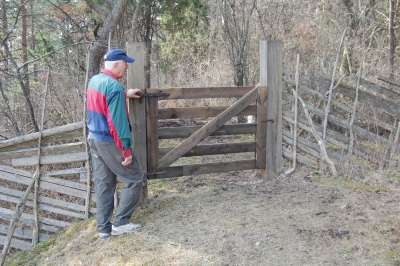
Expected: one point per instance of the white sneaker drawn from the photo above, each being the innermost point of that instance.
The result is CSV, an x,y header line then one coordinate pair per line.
x,y
127,228
103,236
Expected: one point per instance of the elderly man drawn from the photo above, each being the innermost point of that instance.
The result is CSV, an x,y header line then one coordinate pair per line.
x,y
110,146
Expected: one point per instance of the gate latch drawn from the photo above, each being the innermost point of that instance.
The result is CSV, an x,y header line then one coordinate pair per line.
x,y
160,94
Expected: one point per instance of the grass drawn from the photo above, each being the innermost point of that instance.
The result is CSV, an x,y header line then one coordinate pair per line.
x,y
227,219
350,184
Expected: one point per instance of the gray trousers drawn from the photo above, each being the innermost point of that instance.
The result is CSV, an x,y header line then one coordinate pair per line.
x,y
106,161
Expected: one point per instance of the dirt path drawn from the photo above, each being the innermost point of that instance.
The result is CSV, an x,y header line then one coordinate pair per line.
x,y
235,219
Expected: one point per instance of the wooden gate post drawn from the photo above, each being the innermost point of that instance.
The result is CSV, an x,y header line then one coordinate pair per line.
x,y
137,108
271,76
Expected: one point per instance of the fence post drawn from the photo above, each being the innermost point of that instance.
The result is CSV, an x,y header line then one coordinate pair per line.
x,y
137,108
271,76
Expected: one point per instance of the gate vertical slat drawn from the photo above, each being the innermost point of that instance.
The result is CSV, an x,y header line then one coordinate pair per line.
x,y
261,130
152,135
137,109
271,76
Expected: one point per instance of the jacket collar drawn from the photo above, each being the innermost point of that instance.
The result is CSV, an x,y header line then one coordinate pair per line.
x,y
108,72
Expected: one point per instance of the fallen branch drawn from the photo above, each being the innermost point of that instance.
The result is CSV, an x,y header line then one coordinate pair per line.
x,y
321,142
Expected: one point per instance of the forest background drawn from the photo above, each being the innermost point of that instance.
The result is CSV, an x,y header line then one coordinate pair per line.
x,y
50,48
46,43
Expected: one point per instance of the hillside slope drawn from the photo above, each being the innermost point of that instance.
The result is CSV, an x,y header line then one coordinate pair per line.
x,y
236,219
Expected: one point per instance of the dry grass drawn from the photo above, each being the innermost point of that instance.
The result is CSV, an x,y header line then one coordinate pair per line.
x,y
236,219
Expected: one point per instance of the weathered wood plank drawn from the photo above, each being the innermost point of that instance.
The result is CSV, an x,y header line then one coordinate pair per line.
x,y
310,147
388,80
214,149
46,224
16,243
337,139
209,128
50,150
300,158
136,78
48,201
185,132
50,159
271,76
344,107
261,135
41,205
44,184
200,112
66,172
363,96
16,142
203,92
152,135
381,91
340,122
207,168
23,233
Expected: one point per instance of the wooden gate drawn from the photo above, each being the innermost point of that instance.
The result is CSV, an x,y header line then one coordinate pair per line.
x,y
264,101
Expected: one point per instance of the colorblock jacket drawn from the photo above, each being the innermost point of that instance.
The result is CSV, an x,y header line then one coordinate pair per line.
x,y
107,112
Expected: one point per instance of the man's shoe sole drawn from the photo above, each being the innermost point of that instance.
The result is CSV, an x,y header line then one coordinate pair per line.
x,y
116,233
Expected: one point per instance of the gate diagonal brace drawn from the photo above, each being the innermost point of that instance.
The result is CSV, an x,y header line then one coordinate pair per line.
x,y
161,94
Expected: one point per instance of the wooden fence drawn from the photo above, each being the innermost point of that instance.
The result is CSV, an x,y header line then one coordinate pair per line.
x,y
375,125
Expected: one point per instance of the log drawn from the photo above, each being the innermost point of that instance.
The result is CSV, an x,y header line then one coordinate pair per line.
x,y
50,150
340,122
46,224
23,233
16,243
300,158
75,191
365,97
337,139
15,143
50,159
346,108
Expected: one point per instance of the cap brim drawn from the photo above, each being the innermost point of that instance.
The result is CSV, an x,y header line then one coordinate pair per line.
x,y
129,59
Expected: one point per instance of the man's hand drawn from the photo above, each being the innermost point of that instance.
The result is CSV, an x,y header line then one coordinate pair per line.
x,y
127,161
133,93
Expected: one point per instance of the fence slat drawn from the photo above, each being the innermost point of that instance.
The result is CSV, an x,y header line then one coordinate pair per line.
x,y
46,224
207,168
50,150
16,143
45,185
214,149
200,112
202,92
185,132
50,159
23,233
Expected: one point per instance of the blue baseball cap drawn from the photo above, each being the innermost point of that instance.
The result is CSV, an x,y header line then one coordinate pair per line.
x,y
118,54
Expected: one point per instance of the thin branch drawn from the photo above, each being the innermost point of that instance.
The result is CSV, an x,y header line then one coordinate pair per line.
x,y
321,142
328,105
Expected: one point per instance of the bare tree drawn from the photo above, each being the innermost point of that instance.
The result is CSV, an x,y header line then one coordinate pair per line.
x,y
235,24
111,18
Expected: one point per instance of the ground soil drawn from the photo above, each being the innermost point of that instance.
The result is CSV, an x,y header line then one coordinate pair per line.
x,y
237,219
